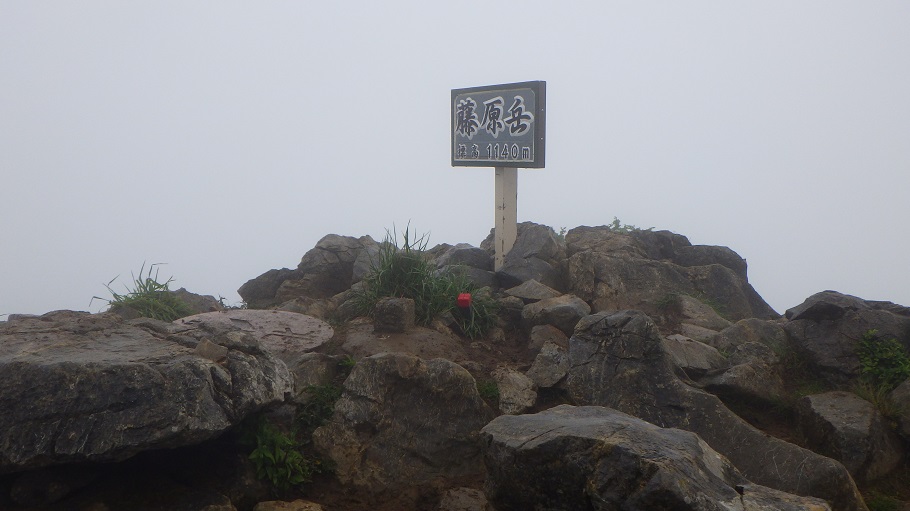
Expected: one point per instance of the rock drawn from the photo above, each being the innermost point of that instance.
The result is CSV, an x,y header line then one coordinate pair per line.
x,y
571,458
532,291
324,271
536,255
286,334
692,359
701,255
313,369
360,341
900,396
403,422
466,255
618,360
769,333
198,303
47,486
696,312
542,334
278,505
615,271
697,333
260,292
563,312
464,499
845,427
83,387
752,382
517,393
550,366
318,308
828,326
393,315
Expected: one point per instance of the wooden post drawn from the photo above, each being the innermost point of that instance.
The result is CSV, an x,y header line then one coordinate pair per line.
x,y
506,213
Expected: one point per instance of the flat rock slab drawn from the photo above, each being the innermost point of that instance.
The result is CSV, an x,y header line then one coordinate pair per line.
x,y
94,387
285,334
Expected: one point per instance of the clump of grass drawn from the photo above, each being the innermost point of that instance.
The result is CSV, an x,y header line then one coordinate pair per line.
x,y
488,389
405,272
149,297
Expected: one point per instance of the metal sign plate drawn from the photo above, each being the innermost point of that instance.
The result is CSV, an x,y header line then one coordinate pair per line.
x,y
499,125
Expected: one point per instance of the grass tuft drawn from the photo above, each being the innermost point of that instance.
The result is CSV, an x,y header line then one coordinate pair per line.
x,y
148,297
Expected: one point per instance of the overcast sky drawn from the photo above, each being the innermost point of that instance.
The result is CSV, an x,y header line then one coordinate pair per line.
x,y
226,138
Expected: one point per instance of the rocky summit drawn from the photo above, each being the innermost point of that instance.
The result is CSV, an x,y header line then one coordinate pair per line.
x,y
608,368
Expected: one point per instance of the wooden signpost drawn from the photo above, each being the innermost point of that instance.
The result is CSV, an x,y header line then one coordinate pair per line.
x,y
500,126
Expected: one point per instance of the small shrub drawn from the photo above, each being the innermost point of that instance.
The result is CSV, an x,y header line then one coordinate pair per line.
x,y
278,456
878,396
883,362
617,226
148,297
878,502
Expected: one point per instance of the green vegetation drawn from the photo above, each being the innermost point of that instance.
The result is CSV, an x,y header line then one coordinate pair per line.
x,y
617,226
884,363
319,406
404,271
488,389
279,456
879,502
148,297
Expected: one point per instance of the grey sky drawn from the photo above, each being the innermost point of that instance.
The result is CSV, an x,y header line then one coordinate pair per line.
x,y
226,138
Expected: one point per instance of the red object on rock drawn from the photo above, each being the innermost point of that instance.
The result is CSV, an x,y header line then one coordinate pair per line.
x,y
464,300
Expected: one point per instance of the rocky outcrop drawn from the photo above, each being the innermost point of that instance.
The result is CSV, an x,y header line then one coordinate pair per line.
x,y
645,270
849,429
84,387
573,458
563,312
828,326
537,254
618,360
402,423
324,271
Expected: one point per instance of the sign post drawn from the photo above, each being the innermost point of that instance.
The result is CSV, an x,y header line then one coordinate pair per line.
x,y
501,126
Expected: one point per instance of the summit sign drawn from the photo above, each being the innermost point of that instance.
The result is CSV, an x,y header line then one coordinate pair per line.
x,y
499,125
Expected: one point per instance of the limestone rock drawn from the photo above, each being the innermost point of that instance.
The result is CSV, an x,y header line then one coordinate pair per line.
x,y
286,334
532,291
542,334
296,505
550,366
692,359
360,341
570,458
464,499
403,422
618,360
563,312
641,270
393,315
828,327
845,427
466,255
900,396
84,387
517,392
769,333
536,255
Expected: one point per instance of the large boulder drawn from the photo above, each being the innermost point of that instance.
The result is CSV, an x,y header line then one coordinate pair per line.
x,y
324,271
848,428
644,270
618,360
586,458
83,387
563,312
828,326
403,423
538,254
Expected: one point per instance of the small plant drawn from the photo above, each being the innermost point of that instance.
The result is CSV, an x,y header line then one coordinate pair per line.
x,y
883,362
488,389
617,226
318,407
878,502
279,457
347,362
148,297
561,235
878,396
405,272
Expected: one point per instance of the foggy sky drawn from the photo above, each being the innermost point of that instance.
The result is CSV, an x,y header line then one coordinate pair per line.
x,y
226,138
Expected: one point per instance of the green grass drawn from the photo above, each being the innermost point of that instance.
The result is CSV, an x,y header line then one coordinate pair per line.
x,y
149,297
883,362
405,272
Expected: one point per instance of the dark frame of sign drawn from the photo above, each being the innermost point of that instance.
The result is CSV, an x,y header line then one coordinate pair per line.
x,y
499,125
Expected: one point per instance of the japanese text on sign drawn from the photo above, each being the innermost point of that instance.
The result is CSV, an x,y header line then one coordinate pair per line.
x,y
498,125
